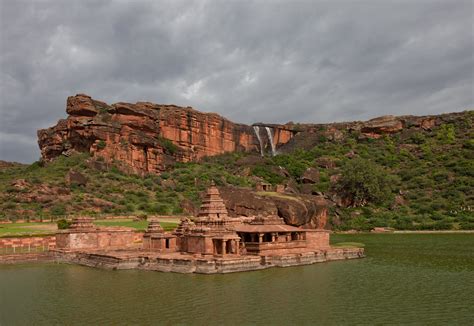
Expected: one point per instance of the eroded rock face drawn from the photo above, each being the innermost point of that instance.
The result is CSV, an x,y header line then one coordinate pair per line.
x,y
383,125
298,210
144,137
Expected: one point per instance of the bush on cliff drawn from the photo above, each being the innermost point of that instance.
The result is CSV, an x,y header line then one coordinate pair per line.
x,y
363,182
63,224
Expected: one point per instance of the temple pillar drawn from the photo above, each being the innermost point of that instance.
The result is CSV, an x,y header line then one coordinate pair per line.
x,y
223,242
273,237
260,238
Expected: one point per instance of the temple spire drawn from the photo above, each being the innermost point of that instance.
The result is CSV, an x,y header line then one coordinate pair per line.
x,y
213,206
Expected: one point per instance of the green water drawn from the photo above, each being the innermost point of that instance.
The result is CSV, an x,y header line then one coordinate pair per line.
x,y
406,279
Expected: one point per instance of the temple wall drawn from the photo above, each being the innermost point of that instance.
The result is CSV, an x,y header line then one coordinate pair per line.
x,y
159,243
317,239
199,245
96,239
30,243
275,248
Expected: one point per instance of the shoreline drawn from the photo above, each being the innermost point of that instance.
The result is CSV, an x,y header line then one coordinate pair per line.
x,y
407,232
183,263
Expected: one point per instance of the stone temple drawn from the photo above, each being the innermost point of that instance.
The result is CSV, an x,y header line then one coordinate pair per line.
x,y
211,243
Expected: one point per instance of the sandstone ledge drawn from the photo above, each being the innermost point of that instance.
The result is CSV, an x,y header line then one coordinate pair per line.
x,y
185,263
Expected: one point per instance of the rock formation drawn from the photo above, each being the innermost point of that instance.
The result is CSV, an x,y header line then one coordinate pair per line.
x,y
297,210
144,137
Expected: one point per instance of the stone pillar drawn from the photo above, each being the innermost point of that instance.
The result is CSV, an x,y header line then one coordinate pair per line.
x,y
223,243
273,237
260,238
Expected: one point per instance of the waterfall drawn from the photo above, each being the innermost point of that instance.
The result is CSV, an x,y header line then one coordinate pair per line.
x,y
257,132
270,137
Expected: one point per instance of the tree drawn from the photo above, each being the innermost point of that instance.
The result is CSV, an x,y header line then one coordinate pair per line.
x,y
362,182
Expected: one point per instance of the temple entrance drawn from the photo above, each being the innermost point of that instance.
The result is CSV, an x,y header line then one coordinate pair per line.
x,y
217,246
225,247
228,247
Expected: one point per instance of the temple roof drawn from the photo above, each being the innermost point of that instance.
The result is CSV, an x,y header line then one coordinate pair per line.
x,y
262,228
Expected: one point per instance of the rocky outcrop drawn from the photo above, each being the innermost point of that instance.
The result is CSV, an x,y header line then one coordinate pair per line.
x,y
311,175
309,135
382,125
24,192
145,137
75,178
298,210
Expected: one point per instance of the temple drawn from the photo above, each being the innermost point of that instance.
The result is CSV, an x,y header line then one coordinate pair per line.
x,y
212,242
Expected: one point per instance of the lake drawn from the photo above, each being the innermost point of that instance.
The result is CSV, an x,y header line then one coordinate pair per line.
x,y
405,279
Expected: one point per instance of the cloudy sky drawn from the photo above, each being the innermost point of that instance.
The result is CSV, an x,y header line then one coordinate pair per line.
x,y
270,61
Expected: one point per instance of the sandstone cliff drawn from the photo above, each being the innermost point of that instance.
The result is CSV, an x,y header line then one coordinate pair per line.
x,y
144,137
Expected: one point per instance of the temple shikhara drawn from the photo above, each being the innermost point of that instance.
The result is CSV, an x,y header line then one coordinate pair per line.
x,y
212,242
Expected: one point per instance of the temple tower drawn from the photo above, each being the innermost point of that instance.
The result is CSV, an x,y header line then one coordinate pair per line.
x,y
213,207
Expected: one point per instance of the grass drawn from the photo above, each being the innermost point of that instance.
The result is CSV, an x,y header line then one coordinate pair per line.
x,y
139,225
26,229
42,229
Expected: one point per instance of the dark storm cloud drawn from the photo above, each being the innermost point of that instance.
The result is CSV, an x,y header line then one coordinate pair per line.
x,y
270,61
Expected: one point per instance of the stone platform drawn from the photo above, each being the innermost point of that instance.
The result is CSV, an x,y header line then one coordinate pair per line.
x,y
201,264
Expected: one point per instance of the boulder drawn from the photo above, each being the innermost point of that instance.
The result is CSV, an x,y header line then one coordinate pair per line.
x,y
20,184
75,178
382,125
298,210
311,175
326,162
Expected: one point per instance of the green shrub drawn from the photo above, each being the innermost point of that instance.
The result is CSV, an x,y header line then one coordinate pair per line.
x,y
168,145
63,224
58,210
446,134
363,182
418,138
265,173
101,144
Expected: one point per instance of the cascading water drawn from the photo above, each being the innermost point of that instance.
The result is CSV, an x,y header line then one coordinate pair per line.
x,y
270,137
257,132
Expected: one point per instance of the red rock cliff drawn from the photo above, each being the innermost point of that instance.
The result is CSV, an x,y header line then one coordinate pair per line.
x,y
144,137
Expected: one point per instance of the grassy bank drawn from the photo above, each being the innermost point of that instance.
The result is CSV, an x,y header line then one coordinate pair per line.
x,y
37,229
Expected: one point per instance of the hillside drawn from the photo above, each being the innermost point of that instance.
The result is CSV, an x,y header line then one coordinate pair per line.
x,y
420,175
